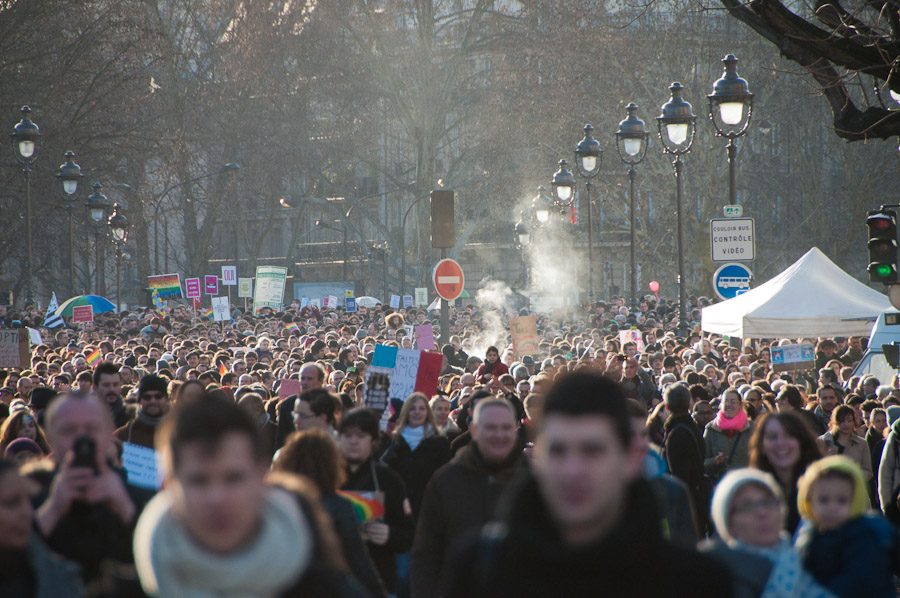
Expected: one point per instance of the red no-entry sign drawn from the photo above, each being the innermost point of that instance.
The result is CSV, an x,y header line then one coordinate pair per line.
x,y
448,279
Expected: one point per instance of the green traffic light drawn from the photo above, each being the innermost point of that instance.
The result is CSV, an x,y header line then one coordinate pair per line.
x,y
882,270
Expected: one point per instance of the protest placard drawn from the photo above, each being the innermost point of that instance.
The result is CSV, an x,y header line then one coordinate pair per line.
x,y
407,301
350,305
288,388
421,296
166,285
245,288
792,358
142,466
221,309
14,349
523,330
192,288
395,301
269,292
425,335
81,314
211,284
229,276
634,336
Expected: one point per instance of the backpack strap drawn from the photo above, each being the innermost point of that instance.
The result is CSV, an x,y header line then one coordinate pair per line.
x,y
734,446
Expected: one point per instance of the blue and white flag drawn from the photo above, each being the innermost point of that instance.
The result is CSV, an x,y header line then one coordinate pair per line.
x,y
52,320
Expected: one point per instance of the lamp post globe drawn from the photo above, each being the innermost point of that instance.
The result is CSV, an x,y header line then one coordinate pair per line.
x,y
523,236
118,226
69,177
26,138
588,153
730,109
97,204
563,184
541,206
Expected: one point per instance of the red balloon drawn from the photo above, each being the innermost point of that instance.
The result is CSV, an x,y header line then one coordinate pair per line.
x,y
654,286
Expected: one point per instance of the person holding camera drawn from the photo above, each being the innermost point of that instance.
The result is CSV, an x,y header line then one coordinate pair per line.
x,y
84,512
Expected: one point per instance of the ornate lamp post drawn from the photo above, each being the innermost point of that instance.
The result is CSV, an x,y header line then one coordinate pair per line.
x,y
97,206
118,226
69,176
587,162
677,125
523,239
730,109
631,144
26,139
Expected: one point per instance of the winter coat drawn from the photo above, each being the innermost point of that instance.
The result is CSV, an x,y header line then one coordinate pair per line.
x,y
346,526
137,432
716,441
889,472
855,559
857,450
35,572
523,556
498,370
685,453
460,498
397,514
417,466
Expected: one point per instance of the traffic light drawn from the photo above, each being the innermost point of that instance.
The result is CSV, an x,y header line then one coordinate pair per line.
x,y
882,226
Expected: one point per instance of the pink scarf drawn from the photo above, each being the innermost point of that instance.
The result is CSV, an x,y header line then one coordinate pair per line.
x,y
731,425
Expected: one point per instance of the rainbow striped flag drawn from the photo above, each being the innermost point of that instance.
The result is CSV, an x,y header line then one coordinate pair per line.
x,y
93,357
208,313
366,508
167,285
292,327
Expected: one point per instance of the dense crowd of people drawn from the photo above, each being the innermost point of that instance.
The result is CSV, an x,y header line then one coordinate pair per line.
x,y
159,453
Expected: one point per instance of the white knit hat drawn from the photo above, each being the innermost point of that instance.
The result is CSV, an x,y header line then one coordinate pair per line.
x,y
728,487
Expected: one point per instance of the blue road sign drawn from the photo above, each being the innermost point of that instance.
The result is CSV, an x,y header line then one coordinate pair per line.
x,y
732,279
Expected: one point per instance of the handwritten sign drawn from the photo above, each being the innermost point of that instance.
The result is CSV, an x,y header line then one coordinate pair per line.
x,y
245,288
269,292
421,296
523,330
406,368
425,335
14,349
211,284
192,288
792,358
221,309
142,466
82,314
229,276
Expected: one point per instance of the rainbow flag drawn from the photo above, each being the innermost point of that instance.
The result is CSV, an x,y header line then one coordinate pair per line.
x,y
166,285
93,357
208,313
222,370
291,328
365,508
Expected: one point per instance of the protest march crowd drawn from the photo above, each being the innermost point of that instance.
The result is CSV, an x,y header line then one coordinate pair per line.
x,y
158,453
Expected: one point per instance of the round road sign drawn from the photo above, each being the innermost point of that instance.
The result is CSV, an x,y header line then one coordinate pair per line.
x,y
731,280
448,279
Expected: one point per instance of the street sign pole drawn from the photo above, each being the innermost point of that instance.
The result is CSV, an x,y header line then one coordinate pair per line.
x,y
445,313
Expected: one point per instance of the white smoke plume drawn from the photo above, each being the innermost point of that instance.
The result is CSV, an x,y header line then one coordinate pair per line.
x,y
493,299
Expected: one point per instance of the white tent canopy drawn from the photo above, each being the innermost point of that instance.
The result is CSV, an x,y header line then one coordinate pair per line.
x,y
813,297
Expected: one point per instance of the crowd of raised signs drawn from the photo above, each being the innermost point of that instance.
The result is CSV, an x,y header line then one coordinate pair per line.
x,y
314,382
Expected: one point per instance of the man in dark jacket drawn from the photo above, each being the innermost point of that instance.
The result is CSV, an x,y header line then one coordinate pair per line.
x,y
390,534
585,523
684,448
85,513
153,405
107,385
462,495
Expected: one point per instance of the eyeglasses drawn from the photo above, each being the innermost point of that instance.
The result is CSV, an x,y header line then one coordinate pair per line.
x,y
158,396
751,506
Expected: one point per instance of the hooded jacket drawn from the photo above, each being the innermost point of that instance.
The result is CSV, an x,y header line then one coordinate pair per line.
x,y
523,556
460,498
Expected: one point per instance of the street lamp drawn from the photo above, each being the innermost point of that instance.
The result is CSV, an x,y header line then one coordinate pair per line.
x,y
69,176
563,185
540,206
381,249
97,206
587,162
118,226
730,109
226,168
631,144
26,138
523,239
678,122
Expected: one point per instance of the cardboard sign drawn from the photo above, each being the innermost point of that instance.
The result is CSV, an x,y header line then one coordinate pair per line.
x,y
82,314
142,466
407,301
332,300
395,301
327,302
415,371
229,276
211,284
792,358
523,330
15,351
221,309
269,292
421,296
34,336
288,388
633,336
192,288
245,288
350,305
425,335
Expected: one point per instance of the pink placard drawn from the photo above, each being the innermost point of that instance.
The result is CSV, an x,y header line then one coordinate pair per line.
x,y
425,335
192,288
82,314
211,284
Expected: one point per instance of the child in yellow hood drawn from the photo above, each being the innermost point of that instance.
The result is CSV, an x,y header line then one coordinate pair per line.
x,y
844,545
